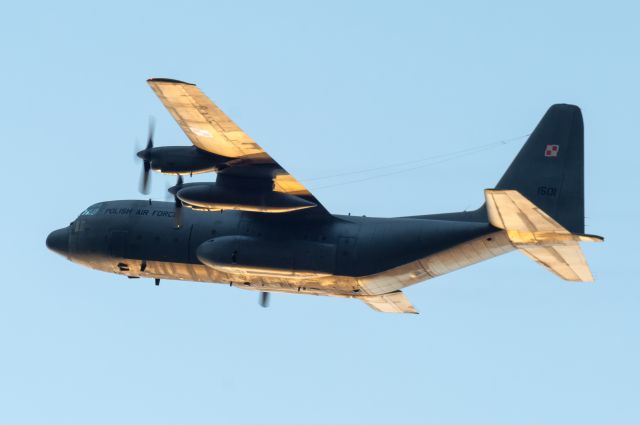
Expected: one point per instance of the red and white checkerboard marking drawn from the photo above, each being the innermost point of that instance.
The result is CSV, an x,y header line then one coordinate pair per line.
x,y
551,151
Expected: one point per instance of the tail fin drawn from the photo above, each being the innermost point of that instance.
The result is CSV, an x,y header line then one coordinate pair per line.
x,y
549,169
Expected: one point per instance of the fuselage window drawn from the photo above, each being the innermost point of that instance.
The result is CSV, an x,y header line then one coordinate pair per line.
x,y
92,210
79,225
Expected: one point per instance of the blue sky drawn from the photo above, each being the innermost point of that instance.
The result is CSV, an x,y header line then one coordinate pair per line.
x,y
325,88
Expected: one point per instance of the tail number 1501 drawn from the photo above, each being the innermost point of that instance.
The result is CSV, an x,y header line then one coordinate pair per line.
x,y
547,191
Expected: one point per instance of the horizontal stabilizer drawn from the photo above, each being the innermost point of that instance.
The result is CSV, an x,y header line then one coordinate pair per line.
x,y
539,236
566,261
393,302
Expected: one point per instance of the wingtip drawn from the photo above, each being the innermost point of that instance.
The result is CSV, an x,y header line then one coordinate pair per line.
x,y
168,80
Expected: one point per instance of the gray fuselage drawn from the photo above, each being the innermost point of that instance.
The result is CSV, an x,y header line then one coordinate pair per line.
x,y
342,256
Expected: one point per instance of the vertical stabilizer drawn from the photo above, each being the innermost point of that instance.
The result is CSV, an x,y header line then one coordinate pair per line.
x,y
549,169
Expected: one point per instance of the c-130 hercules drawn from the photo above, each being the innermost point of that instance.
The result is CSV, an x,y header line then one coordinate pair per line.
x,y
259,228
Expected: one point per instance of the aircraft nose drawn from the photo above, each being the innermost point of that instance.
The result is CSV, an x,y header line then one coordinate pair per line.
x,y
58,241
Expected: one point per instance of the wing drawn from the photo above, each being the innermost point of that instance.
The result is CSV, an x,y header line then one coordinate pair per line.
x,y
212,130
538,235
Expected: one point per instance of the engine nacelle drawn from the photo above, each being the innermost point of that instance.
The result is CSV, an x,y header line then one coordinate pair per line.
x,y
182,160
245,254
212,196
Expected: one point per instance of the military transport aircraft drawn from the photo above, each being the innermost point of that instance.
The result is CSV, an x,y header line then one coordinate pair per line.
x,y
258,228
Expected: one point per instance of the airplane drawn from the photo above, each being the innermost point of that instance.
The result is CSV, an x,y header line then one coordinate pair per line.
x,y
258,228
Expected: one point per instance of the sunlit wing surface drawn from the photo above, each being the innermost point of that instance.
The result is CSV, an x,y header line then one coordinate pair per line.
x,y
539,236
202,121
393,302
212,130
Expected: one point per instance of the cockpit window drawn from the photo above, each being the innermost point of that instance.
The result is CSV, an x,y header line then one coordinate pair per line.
x,y
92,210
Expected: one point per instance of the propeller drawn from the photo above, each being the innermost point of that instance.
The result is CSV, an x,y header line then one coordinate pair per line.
x,y
264,299
144,155
177,201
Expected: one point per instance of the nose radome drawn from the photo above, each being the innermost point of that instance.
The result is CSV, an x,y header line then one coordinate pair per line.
x,y
58,241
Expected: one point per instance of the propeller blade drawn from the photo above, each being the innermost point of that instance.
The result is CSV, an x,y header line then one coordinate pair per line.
x,y
264,299
178,216
152,127
178,203
144,155
136,151
144,179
